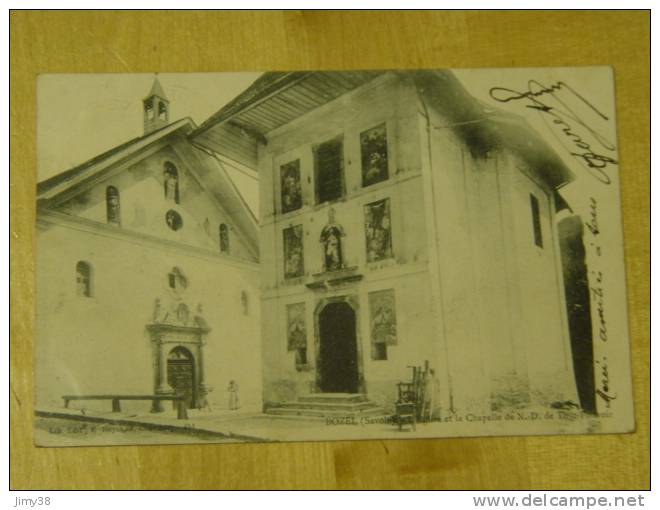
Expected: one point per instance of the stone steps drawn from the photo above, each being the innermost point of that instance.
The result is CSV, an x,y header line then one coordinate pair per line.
x,y
328,405
333,397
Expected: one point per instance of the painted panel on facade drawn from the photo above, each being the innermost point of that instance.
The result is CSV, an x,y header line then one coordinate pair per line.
x,y
378,230
382,314
291,190
294,263
373,147
296,328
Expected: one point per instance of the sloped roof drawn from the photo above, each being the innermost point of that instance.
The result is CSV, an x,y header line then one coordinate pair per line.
x,y
87,169
209,170
83,168
273,100
278,98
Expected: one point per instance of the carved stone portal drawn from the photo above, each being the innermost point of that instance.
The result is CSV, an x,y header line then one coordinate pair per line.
x,y
177,338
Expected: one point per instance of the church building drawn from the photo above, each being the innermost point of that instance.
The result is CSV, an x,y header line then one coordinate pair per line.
x,y
147,274
402,221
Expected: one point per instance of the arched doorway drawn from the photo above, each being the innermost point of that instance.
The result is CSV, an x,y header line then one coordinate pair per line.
x,y
181,374
338,363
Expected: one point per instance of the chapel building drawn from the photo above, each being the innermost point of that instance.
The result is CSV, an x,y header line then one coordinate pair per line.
x,y
401,221
147,274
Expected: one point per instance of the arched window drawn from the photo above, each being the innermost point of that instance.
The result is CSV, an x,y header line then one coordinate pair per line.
x,y
171,182
177,280
112,205
83,279
162,110
149,109
224,238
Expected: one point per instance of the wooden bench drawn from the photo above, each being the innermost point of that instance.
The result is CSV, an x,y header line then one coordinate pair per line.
x,y
179,400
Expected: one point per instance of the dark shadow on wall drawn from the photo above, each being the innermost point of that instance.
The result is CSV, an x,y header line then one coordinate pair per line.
x,y
576,284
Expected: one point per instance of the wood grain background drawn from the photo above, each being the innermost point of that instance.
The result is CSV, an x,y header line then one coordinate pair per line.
x,y
141,41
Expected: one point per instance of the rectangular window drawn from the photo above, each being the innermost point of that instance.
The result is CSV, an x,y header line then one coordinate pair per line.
x,y
379,352
373,146
329,170
301,358
290,189
536,221
294,265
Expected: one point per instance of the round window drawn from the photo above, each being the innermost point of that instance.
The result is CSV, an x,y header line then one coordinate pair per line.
x,y
173,220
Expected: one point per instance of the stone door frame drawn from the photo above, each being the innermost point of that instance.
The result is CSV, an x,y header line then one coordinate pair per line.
x,y
165,338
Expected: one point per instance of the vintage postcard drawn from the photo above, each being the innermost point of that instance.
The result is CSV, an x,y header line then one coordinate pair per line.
x,y
295,256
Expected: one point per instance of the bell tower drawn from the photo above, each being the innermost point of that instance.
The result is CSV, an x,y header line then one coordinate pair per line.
x,y
156,108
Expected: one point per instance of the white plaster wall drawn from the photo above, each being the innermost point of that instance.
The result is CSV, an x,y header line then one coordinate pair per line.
x,y
501,296
100,345
386,100
143,205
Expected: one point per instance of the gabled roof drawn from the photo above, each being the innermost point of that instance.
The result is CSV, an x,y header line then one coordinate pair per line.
x,y
157,90
205,167
52,186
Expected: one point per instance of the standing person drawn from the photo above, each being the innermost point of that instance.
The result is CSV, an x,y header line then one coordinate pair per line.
x,y
233,395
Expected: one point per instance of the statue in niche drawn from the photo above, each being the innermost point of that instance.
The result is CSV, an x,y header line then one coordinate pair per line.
x,y
171,180
331,240
112,205
157,315
199,319
332,253
182,314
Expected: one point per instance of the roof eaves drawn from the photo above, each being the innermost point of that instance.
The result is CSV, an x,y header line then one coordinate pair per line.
x,y
263,87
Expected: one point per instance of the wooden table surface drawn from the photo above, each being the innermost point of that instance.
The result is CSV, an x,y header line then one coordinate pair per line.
x,y
141,41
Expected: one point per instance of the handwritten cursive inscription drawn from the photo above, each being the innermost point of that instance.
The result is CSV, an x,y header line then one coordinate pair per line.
x,y
603,390
592,222
559,103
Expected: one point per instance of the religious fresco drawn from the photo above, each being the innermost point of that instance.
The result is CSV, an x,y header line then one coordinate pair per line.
x,y
373,146
296,329
294,264
382,316
291,191
378,230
